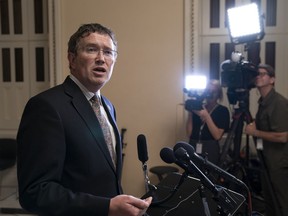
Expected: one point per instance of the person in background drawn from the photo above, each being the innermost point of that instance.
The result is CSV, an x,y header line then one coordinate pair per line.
x,y
206,126
65,165
270,129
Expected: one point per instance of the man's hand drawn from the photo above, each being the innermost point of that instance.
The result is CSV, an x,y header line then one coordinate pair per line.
x,y
251,129
281,137
128,205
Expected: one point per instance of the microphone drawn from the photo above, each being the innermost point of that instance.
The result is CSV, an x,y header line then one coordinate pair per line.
x,y
207,164
143,157
229,204
182,155
167,155
142,148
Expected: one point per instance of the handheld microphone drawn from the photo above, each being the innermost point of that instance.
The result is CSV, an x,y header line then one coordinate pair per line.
x,y
207,164
142,148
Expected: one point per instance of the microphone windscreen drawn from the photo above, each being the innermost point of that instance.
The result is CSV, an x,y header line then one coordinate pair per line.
x,y
142,148
188,147
167,155
181,154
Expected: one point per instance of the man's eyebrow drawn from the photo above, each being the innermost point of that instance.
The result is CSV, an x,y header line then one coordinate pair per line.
x,y
97,45
91,44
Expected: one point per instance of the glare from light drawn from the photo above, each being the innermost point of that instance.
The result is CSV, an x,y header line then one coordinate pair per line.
x,y
195,82
244,20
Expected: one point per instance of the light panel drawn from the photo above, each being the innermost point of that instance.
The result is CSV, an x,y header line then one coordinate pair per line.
x,y
195,82
245,23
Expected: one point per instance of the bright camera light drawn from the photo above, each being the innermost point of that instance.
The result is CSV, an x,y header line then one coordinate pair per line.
x,y
195,82
245,23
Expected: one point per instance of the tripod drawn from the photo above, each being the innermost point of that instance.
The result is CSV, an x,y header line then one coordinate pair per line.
x,y
241,115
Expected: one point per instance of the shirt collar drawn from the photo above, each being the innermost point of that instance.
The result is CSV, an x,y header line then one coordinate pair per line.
x,y
266,100
88,94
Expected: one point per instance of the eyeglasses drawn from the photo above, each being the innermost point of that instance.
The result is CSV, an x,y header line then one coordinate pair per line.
x,y
262,74
108,53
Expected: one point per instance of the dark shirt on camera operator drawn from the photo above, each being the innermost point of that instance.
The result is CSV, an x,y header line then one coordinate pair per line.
x,y
206,127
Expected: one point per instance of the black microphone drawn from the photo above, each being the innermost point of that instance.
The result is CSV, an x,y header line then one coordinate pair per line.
x,y
188,147
167,155
207,164
228,203
182,155
142,148
143,157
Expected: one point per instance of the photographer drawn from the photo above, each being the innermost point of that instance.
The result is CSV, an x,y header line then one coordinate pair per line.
x,y
206,126
271,129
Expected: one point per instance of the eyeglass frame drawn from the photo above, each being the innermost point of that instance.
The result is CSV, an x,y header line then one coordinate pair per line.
x,y
262,74
107,52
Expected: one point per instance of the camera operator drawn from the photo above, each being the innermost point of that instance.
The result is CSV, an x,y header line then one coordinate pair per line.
x,y
206,126
271,129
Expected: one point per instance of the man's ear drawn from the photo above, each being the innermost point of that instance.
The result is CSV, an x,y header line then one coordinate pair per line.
x,y
272,80
71,58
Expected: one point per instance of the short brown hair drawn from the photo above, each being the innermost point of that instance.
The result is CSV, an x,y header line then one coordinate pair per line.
x,y
85,30
270,70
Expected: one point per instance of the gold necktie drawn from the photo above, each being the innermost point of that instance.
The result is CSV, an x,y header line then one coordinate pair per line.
x,y
105,127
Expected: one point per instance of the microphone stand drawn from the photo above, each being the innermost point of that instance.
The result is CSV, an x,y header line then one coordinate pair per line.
x,y
171,193
146,178
227,204
204,200
148,185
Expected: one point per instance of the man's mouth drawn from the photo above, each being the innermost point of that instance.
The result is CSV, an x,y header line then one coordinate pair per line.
x,y
99,69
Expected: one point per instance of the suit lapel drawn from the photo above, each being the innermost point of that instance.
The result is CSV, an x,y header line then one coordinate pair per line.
x,y
86,112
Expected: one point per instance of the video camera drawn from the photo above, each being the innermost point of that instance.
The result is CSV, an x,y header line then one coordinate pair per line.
x,y
195,90
196,102
239,76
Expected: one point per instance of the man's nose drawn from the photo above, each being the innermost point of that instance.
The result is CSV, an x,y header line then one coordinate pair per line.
x,y
100,55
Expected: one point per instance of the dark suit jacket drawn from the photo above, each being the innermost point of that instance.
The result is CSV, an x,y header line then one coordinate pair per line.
x,y
64,166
